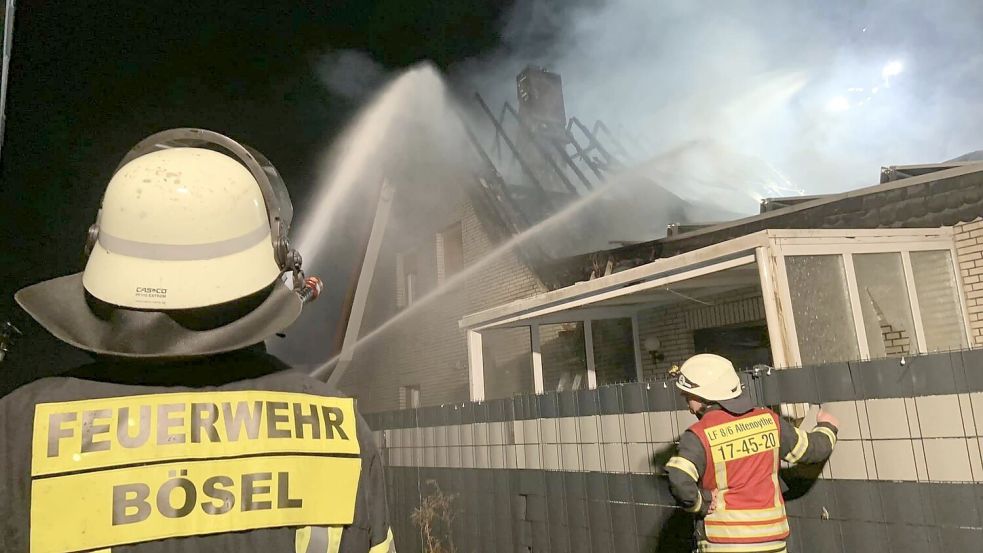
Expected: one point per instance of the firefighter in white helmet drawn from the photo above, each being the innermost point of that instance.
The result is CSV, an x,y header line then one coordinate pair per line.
x,y
726,469
183,434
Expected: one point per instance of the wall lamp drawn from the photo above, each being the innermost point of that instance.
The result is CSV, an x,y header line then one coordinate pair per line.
x,y
653,346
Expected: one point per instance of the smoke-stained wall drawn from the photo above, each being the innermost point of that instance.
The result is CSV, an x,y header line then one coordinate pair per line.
x,y
426,348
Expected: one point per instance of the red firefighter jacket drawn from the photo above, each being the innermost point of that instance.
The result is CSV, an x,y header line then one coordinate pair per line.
x,y
738,456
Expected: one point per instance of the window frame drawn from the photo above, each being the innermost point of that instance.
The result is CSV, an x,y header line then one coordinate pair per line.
x,y
406,291
409,396
846,250
440,243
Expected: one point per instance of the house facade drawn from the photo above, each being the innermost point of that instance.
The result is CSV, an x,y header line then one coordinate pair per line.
x,y
890,270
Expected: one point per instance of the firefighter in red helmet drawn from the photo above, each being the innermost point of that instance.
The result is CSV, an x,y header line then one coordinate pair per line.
x,y
726,469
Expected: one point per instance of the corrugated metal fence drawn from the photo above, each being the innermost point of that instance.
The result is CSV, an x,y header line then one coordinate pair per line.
x,y
583,471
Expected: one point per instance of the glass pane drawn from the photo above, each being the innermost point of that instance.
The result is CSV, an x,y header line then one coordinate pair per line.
x,y
936,288
564,356
745,345
885,304
821,308
507,362
614,351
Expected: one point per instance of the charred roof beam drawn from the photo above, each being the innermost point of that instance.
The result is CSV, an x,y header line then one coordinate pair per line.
x,y
549,159
600,126
511,145
594,143
583,155
495,184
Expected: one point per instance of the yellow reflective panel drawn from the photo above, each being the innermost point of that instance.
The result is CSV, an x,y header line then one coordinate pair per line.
x,y
126,470
101,433
387,546
742,438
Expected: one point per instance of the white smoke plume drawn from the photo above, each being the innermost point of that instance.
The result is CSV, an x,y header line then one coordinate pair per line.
x,y
817,95
350,74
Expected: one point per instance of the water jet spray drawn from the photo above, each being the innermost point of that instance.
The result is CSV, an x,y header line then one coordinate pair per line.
x,y
459,278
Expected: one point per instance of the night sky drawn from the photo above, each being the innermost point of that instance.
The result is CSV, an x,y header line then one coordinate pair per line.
x,y
90,79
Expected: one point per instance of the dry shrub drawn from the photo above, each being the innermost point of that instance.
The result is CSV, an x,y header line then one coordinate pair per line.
x,y
434,517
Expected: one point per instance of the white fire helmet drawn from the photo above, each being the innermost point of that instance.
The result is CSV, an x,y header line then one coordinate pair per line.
x,y
179,228
710,377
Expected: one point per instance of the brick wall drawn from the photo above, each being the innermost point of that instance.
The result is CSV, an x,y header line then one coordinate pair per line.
x,y
426,348
969,249
896,342
502,280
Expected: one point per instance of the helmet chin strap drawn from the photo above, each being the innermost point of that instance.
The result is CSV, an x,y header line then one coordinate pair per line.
x,y
704,405
307,287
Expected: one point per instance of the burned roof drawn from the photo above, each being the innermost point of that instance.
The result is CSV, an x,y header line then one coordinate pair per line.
x,y
570,189
950,194
540,168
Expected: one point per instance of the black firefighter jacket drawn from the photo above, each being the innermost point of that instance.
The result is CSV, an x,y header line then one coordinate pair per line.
x,y
274,463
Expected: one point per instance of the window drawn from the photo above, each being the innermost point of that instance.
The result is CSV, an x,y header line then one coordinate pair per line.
x,y
450,251
614,351
407,279
902,302
410,288
409,397
821,309
564,356
507,356
885,305
938,300
745,345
